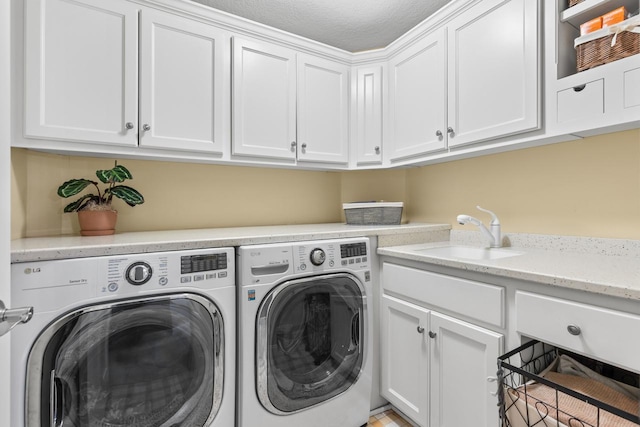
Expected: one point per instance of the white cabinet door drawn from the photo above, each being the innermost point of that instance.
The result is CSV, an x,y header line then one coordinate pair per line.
x,y
264,100
417,103
182,100
323,116
81,60
368,114
6,395
463,358
493,71
405,357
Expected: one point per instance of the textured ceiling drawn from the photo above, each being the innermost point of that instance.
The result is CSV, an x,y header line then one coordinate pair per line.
x,y
352,25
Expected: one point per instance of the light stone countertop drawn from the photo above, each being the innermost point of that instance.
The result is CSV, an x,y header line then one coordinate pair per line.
x,y
66,247
603,266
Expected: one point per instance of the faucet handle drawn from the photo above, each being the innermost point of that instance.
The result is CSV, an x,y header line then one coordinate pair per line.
x,y
494,217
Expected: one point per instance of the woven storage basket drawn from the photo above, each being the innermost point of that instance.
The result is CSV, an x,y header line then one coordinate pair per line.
x,y
373,213
574,2
595,49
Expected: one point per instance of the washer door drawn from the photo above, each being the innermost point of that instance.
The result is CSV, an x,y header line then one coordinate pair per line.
x,y
146,363
309,341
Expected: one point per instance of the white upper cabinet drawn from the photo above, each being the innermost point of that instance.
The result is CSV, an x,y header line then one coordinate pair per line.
x,y
81,71
323,110
288,106
181,84
599,99
264,100
368,113
83,83
472,80
493,87
417,98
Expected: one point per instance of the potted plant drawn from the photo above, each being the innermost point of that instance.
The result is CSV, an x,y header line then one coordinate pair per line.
x,y
95,214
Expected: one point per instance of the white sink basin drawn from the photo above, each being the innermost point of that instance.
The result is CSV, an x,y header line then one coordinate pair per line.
x,y
469,252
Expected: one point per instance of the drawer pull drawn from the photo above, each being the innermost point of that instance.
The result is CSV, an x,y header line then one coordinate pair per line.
x,y
432,334
574,330
420,329
579,88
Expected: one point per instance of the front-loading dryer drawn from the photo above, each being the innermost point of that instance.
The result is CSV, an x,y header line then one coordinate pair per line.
x,y
304,342
145,340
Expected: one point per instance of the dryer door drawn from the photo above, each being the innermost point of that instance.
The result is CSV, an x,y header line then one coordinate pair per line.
x,y
149,362
309,345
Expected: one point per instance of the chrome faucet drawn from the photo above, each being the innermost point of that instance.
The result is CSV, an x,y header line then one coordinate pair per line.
x,y
494,236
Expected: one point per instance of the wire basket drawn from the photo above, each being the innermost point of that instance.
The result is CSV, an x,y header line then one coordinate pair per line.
x,y
528,399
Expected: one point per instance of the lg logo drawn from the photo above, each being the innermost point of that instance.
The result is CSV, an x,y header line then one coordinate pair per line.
x,y
29,270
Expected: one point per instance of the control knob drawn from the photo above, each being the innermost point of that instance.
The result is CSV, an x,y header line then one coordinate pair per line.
x,y
317,256
138,273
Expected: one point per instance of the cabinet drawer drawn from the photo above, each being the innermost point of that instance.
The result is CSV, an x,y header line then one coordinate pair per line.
x,y
604,334
472,299
581,102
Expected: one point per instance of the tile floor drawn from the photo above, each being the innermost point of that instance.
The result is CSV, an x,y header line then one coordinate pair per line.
x,y
387,418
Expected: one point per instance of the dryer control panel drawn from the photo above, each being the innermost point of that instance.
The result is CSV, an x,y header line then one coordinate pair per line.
x,y
201,268
325,255
52,284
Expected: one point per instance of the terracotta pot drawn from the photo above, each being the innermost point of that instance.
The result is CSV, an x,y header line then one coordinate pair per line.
x,y
97,223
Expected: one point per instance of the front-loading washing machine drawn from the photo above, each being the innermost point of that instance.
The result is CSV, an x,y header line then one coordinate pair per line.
x,y
145,340
304,342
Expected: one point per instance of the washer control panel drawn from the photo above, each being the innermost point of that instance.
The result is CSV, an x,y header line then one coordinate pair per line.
x,y
326,255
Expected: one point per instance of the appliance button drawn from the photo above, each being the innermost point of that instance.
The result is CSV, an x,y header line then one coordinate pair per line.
x,y
317,256
331,263
163,280
222,274
185,279
113,286
210,276
303,266
198,277
138,273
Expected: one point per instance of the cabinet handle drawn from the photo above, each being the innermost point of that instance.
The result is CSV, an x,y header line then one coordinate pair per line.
x,y
574,330
439,133
451,132
432,334
304,146
579,88
293,144
146,127
377,150
129,125
420,329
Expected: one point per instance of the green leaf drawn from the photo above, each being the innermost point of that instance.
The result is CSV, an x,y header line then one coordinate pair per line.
x,y
129,195
117,174
79,204
120,173
104,175
73,187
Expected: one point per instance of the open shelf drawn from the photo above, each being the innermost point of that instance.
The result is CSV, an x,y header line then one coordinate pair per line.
x,y
589,9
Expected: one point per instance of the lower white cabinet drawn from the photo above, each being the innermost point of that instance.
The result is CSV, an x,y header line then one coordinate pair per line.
x,y
405,357
437,369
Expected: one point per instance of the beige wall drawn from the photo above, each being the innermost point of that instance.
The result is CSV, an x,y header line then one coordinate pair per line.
x,y
177,195
589,187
